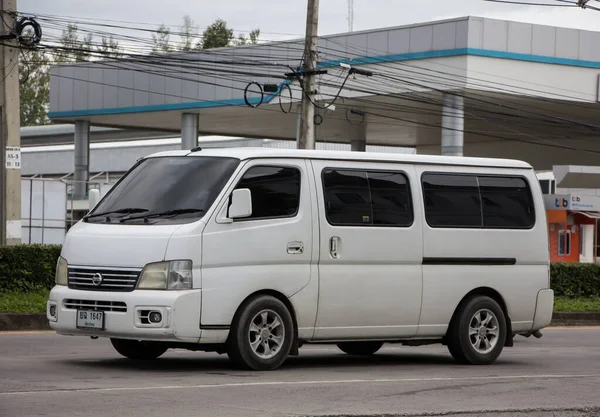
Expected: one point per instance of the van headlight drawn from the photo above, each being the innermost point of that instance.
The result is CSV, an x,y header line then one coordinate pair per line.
x,y
172,275
61,276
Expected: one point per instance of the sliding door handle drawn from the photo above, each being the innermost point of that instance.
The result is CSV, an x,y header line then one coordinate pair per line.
x,y
335,247
295,248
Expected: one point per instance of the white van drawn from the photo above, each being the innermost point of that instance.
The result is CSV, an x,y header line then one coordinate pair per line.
x,y
255,252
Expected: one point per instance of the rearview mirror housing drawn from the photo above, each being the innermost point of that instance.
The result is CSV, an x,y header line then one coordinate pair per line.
x,y
241,204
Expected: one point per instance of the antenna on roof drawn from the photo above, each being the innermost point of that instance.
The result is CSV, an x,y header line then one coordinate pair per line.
x,y
350,15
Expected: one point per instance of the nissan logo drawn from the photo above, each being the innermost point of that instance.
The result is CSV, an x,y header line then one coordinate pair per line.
x,y
97,279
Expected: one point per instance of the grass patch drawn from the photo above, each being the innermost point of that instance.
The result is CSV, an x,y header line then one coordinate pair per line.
x,y
576,305
35,302
32,302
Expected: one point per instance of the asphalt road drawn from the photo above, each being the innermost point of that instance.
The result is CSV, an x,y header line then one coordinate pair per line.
x,y
58,376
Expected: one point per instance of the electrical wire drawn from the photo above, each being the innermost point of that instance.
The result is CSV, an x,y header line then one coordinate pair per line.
x,y
247,60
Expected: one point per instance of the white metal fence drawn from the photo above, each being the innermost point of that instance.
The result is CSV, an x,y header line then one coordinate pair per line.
x,y
48,209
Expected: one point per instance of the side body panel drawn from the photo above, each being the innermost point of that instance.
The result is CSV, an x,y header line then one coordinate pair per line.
x,y
447,282
371,287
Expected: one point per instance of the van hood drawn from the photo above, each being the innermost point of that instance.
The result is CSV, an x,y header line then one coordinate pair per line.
x,y
130,246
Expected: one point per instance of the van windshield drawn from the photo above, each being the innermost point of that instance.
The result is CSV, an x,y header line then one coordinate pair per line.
x,y
165,190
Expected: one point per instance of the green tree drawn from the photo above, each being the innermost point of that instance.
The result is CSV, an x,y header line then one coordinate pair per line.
x,y
161,40
217,35
188,34
109,48
34,86
252,39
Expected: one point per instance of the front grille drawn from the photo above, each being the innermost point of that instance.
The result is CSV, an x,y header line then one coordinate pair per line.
x,y
103,279
116,306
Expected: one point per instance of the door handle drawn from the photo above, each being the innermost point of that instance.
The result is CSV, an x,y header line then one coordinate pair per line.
x,y
295,248
334,247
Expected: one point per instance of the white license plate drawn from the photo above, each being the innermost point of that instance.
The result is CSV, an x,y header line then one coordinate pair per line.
x,y
90,319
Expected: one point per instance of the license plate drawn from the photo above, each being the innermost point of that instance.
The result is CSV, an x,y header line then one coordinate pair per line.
x,y
90,319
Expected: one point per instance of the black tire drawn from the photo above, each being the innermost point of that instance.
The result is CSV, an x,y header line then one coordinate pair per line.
x,y
360,348
138,349
239,348
461,344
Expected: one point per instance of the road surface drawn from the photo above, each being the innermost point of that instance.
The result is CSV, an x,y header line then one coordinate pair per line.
x,y
43,374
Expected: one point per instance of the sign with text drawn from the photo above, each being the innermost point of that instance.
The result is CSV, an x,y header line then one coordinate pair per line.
x,y
13,157
572,202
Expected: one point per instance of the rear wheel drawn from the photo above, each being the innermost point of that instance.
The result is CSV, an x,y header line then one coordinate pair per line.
x,y
262,334
360,348
478,332
138,349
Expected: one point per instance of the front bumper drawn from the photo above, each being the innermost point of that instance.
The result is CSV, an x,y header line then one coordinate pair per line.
x,y
180,313
543,309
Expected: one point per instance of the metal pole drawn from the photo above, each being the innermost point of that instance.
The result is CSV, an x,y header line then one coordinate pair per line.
x,y
10,138
307,124
82,159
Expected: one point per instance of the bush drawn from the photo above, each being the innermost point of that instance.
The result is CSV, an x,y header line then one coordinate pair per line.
x,y
575,280
25,268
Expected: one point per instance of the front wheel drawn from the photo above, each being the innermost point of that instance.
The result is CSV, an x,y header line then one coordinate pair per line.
x,y
478,332
137,349
360,348
262,334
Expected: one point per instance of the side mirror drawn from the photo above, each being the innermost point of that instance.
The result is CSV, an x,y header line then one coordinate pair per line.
x,y
241,204
93,198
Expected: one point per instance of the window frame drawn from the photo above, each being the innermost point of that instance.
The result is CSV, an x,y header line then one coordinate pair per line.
x,y
477,176
366,171
564,252
241,177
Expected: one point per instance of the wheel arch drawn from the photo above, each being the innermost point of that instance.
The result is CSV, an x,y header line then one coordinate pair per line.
x,y
281,297
494,295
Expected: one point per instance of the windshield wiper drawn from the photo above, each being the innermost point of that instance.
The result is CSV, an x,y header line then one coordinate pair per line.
x,y
174,212
120,211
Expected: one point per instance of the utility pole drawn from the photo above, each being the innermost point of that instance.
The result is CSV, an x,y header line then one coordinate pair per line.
x,y
306,139
10,137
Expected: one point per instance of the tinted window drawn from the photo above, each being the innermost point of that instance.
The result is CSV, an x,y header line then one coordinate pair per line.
x,y
275,191
506,203
468,201
390,199
361,198
451,200
545,184
168,183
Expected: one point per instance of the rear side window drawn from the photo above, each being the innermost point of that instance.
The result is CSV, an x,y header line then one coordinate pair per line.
x,y
477,201
506,203
367,198
275,191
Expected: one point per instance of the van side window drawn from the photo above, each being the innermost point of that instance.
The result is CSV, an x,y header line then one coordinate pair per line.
x,y
367,198
451,200
275,191
506,203
477,201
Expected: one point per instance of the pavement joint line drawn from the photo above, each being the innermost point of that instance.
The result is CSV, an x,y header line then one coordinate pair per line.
x,y
299,383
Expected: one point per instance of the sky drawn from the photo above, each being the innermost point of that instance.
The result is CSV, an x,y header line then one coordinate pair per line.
x,y
281,19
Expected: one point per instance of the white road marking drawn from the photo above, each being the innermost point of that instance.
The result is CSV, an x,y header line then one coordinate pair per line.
x,y
299,383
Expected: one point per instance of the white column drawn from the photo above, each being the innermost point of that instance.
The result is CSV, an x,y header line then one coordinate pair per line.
x,y
82,159
189,131
357,133
453,124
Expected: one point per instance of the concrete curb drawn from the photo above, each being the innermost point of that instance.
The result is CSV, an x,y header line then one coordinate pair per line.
x,y
18,322
24,322
576,319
